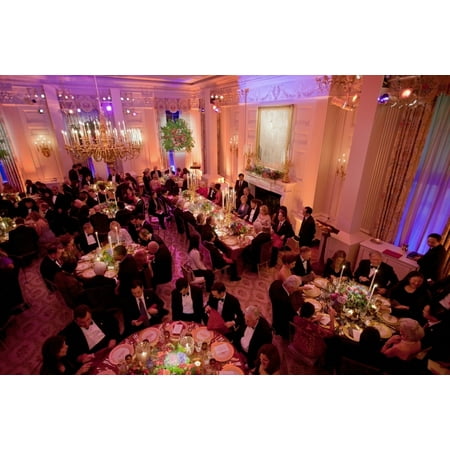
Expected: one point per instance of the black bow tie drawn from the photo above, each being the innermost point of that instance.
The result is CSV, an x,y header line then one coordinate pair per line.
x,y
185,295
374,267
221,300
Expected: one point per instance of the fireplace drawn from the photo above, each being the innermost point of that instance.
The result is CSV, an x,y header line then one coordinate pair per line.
x,y
271,199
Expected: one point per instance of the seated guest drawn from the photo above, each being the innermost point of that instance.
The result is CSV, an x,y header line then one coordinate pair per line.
x,y
243,208
123,215
409,296
212,193
218,258
100,222
161,263
407,343
188,218
256,333
155,184
118,234
282,230
252,253
68,284
303,266
253,212
228,306
196,262
70,250
87,240
248,194
200,222
187,302
142,308
156,209
218,196
30,188
178,216
384,274
288,261
89,333
333,267
268,361
431,263
51,264
437,332
23,242
55,361
138,222
46,235
144,269
264,217
127,272
210,226
202,189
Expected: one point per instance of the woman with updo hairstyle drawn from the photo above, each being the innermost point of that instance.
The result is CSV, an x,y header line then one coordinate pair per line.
x,y
406,344
288,260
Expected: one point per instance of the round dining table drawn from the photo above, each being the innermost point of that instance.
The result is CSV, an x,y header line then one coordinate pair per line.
x,y
172,348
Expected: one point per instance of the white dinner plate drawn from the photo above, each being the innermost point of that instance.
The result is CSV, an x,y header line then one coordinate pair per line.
x,y
83,266
118,353
151,334
230,369
385,331
391,320
352,333
222,351
313,292
321,283
202,334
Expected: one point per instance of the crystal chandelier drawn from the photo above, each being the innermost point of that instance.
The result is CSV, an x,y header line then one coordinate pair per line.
x,y
100,140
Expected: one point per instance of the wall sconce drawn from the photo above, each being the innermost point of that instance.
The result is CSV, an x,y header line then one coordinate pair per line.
x,y
341,169
215,100
44,146
234,143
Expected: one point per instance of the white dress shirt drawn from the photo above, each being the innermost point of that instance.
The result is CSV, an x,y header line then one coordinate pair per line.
x,y
195,260
188,304
245,340
93,335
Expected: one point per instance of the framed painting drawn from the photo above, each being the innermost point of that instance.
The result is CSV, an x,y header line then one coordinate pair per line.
x,y
273,134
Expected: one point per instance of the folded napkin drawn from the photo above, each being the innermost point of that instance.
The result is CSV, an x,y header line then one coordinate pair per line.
x,y
216,323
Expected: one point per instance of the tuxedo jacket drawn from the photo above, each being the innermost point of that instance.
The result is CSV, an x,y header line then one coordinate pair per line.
x,y
282,311
49,268
77,342
431,263
82,244
307,231
211,194
217,258
262,335
22,240
437,337
240,189
197,301
231,309
299,269
131,311
128,271
100,222
252,253
385,277
255,216
162,266
118,178
285,230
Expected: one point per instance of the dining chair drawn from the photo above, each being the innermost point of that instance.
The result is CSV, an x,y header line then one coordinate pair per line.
x,y
188,274
293,244
264,256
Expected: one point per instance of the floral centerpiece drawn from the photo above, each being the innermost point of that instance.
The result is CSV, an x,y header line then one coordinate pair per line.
x,y
177,136
176,362
350,296
238,228
265,172
107,257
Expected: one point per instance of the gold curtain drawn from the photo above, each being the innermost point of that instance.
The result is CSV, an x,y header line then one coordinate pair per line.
x,y
446,243
401,167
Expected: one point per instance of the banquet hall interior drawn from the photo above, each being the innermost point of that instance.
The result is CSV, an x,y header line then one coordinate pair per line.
x,y
369,154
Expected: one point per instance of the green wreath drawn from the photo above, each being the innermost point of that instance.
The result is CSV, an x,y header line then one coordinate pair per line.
x,y
176,136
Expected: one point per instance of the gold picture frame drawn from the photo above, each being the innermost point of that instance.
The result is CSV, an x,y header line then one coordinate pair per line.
x,y
273,135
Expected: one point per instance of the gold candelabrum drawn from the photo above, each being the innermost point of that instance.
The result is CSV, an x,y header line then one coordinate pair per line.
x,y
341,170
234,144
249,156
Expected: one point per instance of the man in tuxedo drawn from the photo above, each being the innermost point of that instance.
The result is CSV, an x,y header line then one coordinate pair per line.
x,y
187,302
74,175
51,263
218,258
30,188
212,192
252,253
161,263
114,177
58,199
437,332
228,306
88,333
384,274
142,308
86,241
254,210
256,333
239,187
283,313
431,263
128,270
99,280
303,267
137,223
307,229
123,215
100,222
155,171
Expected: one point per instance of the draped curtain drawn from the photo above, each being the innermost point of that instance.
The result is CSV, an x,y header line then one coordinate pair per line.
x,y
407,139
14,178
427,207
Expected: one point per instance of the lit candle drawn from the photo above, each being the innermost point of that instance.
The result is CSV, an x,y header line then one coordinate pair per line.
x,y
110,244
340,276
98,242
117,235
372,291
373,279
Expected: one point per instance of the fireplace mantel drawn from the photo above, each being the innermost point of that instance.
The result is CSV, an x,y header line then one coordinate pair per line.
x,y
286,190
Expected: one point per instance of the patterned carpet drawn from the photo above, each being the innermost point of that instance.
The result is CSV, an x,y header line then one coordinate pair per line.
x,y
20,350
